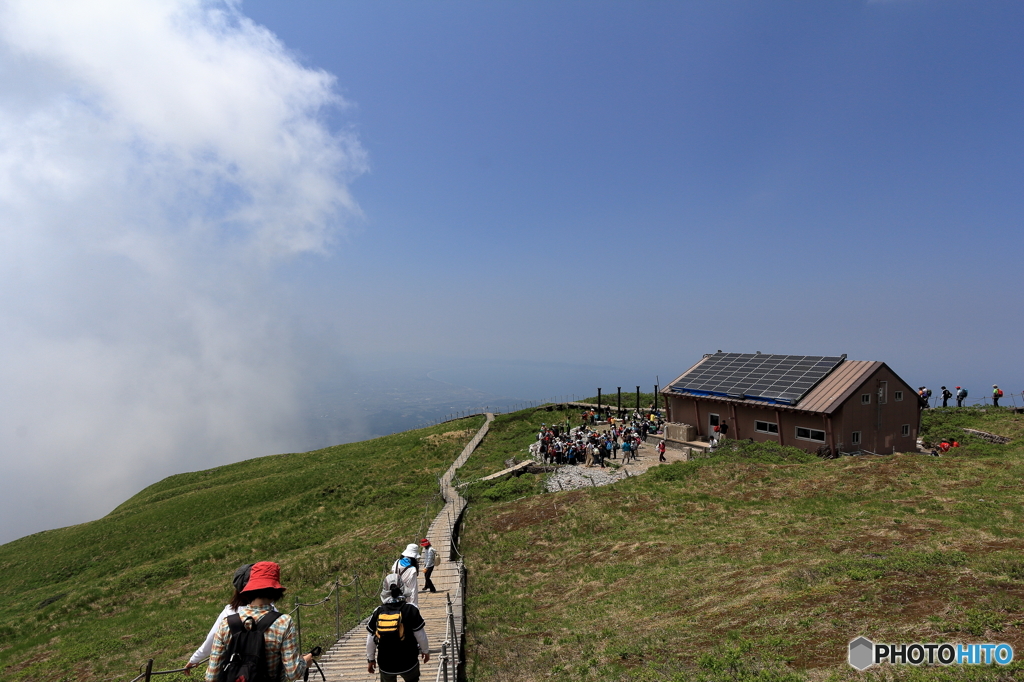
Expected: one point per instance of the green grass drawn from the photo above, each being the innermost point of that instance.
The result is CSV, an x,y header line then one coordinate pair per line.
x,y
94,601
758,563
755,565
950,422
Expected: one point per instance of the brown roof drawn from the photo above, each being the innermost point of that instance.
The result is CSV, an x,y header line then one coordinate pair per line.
x,y
838,385
826,397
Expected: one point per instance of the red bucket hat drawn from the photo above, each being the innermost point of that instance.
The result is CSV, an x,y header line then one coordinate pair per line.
x,y
264,574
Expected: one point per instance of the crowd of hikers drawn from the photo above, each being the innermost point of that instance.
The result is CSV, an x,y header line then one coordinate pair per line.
x,y
588,446
251,641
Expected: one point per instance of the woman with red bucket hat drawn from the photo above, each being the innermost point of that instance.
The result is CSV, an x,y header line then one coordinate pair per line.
x,y
239,581
254,610
429,560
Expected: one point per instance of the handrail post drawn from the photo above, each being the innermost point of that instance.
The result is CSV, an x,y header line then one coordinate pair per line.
x,y
149,669
358,612
298,622
337,609
450,635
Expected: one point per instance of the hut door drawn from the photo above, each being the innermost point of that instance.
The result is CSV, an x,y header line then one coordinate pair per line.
x,y
712,423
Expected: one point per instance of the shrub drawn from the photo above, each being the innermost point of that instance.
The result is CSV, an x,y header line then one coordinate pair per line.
x,y
767,453
677,471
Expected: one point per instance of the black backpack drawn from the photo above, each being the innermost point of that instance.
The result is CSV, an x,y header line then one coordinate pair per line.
x,y
246,657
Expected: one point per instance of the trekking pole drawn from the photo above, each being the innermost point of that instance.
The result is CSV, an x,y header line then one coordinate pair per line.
x,y
316,651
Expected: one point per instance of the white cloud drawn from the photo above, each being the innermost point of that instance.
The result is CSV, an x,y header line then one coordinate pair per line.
x,y
156,160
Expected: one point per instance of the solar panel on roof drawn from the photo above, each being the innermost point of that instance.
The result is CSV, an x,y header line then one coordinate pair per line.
x,y
782,379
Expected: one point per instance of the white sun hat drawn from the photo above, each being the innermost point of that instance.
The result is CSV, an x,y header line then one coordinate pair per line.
x,y
412,550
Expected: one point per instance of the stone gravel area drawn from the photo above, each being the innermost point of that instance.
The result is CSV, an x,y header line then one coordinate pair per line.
x,y
574,477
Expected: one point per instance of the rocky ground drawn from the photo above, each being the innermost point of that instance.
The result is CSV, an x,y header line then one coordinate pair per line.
x,y
573,477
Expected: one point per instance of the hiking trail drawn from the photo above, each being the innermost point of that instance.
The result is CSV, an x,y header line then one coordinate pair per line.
x,y
346,660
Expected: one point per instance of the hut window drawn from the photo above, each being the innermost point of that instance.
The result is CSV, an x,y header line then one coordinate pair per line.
x,y
865,399
855,438
906,430
897,395
810,434
766,427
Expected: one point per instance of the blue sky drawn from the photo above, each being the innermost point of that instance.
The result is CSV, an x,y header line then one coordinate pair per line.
x,y
234,229
819,177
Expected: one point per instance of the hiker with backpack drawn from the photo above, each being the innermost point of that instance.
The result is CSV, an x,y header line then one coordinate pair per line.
x,y
397,635
997,393
239,581
961,394
407,568
946,395
257,644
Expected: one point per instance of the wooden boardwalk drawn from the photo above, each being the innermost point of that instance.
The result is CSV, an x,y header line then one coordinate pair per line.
x,y
510,470
346,660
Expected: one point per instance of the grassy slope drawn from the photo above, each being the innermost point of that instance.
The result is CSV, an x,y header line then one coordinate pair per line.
x,y
740,569
93,601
